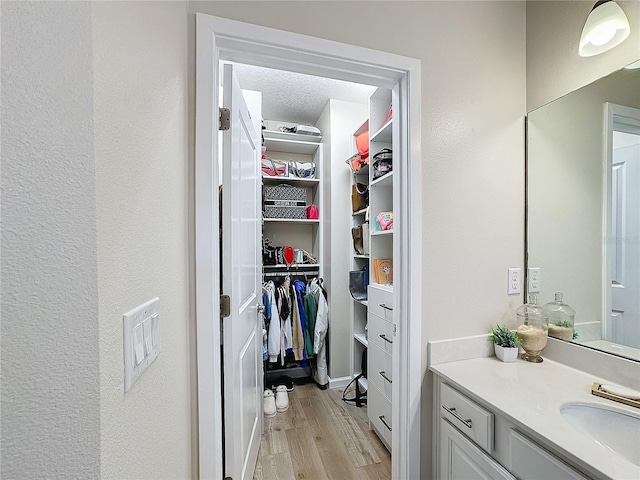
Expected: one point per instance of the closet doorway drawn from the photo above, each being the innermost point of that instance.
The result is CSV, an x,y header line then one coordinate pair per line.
x,y
222,39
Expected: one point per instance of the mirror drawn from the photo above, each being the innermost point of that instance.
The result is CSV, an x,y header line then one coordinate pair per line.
x,y
583,209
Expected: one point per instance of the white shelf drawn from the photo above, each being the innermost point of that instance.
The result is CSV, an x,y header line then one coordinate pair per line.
x,y
383,286
291,220
361,337
384,181
290,137
290,142
359,212
382,232
361,302
384,134
295,181
360,256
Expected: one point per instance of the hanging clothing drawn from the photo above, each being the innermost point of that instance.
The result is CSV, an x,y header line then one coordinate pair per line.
x,y
296,325
300,291
273,340
310,310
321,326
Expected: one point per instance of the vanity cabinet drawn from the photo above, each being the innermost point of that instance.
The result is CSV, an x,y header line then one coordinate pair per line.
x,y
474,442
461,459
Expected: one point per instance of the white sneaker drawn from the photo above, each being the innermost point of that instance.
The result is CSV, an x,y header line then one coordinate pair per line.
x,y
269,404
282,399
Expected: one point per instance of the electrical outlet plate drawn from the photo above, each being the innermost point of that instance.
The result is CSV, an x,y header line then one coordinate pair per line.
x,y
514,281
533,280
141,334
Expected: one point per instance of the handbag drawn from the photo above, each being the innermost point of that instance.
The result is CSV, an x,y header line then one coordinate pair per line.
x,y
358,282
302,169
382,162
358,240
359,196
312,212
274,168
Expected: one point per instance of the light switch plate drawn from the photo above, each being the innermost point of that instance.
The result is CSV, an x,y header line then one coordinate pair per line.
x,y
141,334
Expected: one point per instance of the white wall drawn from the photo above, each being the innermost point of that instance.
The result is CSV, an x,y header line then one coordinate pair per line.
x,y
554,67
338,122
140,83
566,198
50,378
473,104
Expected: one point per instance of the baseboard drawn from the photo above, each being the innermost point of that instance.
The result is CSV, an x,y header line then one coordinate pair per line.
x,y
339,382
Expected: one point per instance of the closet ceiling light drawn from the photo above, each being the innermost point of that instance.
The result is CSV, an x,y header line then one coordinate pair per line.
x,y
606,27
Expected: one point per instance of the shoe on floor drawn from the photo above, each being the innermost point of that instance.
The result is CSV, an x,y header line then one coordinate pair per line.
x,y
269,404
282,399
285,380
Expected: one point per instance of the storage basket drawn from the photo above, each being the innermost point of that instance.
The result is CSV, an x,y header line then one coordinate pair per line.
x,y
285,211
285,192
285,201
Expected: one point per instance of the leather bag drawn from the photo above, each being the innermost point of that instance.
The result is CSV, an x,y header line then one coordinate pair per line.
x,y
358,282
358,239
359,196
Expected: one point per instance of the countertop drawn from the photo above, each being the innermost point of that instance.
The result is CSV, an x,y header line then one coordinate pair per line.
x,y
530,395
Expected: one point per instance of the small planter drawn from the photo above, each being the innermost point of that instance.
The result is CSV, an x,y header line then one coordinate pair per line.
x,y
506,354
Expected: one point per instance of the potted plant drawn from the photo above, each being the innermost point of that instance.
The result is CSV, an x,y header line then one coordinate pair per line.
x,y
505,342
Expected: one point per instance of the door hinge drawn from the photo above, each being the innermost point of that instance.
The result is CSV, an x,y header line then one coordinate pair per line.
x,y
225,119
225,306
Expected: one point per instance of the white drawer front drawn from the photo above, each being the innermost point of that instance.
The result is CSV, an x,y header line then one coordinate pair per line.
x,y
381,333
470,418
530,461
379,372
380,302
379,412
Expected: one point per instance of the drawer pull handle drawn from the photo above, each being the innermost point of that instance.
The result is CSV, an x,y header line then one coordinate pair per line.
x,y
453,412
381,417
383,375
384,305
384,337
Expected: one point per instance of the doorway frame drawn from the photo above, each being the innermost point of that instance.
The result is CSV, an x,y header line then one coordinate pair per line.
x,y
616,118
223,39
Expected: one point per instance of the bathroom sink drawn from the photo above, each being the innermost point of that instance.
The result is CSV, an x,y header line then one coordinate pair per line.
x,y
614,428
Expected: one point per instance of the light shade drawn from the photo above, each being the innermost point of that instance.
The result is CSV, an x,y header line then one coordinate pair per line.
x,y
606,27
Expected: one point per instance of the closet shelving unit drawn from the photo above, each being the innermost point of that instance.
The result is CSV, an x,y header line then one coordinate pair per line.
x,y
297,233
358,310
375,317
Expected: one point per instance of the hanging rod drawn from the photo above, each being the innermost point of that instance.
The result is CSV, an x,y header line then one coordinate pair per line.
x,y
284,273
293,265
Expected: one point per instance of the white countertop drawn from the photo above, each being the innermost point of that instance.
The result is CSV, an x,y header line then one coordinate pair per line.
x,y
530,395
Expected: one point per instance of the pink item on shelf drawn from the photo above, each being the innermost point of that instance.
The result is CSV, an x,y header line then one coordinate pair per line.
x,y
385,219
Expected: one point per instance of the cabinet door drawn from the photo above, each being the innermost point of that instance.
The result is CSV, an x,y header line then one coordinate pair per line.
x,y
460,459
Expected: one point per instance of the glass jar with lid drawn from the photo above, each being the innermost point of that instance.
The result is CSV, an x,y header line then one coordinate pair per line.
x,y
561,318
533,325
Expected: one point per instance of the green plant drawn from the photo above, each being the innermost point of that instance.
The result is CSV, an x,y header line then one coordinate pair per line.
x,y
575,335
562,323
503,337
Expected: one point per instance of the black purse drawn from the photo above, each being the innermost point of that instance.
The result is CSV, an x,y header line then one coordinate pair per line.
x,y
358,282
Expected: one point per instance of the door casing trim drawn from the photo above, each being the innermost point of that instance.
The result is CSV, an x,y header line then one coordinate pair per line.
x,y
223,39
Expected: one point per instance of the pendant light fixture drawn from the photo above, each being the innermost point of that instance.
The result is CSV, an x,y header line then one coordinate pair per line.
x,y
606,27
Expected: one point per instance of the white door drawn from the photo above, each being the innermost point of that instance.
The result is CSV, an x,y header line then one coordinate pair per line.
x,y
241,272
624,325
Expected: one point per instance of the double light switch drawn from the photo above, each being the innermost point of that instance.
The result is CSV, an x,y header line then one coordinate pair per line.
x,y
141,328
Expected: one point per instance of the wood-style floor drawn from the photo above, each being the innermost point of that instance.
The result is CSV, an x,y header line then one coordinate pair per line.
x,y
321,437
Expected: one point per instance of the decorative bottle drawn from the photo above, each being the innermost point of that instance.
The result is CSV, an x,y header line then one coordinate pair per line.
x,y
533,325
561,319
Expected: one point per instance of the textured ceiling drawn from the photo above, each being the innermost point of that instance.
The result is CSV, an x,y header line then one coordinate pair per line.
x,y
295,97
